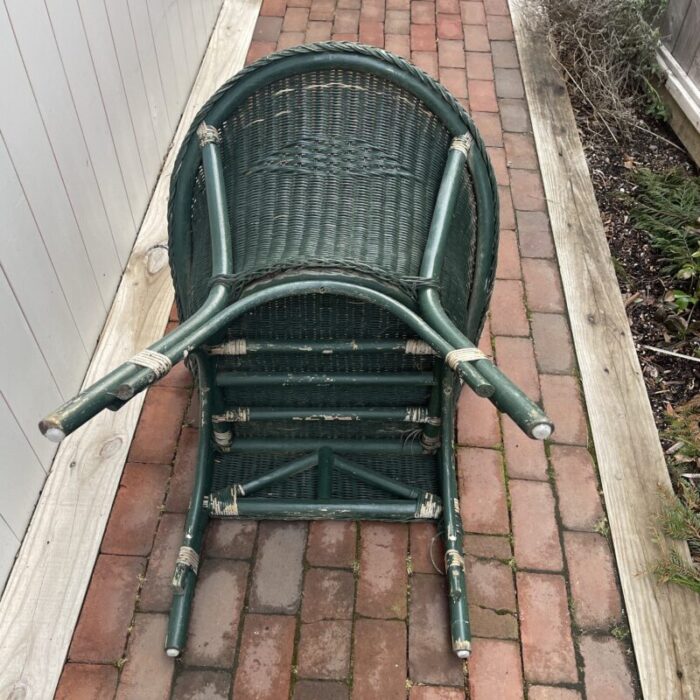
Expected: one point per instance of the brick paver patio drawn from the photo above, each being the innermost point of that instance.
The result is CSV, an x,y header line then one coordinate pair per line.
x,y
331,610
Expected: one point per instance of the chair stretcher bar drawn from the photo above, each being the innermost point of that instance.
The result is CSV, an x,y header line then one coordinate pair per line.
x,y
325,347
242,414
227,379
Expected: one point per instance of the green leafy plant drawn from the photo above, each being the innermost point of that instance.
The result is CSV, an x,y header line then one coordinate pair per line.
x,y
674,570
680,517
667,207
679,520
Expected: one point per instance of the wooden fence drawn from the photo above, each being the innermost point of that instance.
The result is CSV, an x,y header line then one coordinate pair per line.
x,y
681,35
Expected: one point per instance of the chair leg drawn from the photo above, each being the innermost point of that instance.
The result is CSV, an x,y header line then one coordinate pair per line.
x,y
452,526
179,619
185,576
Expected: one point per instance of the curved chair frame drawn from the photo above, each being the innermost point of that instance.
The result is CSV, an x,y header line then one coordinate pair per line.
x,y
427,319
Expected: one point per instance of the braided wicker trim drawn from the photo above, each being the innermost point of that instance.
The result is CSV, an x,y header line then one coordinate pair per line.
x,y
240,280
225,508
207,134
223,438
462,143
430,444
159,364
417,414
233,415
188,557
418,347
453,558
237,346
454,357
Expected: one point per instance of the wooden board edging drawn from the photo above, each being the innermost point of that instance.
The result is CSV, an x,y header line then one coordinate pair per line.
x,y
45,591
664,619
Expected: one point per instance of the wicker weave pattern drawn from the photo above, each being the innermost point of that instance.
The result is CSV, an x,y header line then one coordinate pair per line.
x,y
418,471
192,283
338,168
333,165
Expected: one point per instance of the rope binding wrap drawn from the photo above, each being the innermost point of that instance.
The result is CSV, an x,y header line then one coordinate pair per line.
x,y
158,363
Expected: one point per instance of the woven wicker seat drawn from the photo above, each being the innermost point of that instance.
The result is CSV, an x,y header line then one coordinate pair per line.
x,y
333,225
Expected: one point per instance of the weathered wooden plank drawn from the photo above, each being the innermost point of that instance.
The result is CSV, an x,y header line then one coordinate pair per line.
x,y
664,620
694,70
681,86
46,588
681,94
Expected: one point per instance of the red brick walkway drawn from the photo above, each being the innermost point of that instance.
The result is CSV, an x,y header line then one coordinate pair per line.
x,y
359,611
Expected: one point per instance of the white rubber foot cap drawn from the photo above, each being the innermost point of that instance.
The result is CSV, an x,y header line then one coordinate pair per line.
x,y
55,434
172,652
463,654
542,431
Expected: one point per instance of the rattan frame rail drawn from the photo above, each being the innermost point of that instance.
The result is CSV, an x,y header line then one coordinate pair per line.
x,y
457,356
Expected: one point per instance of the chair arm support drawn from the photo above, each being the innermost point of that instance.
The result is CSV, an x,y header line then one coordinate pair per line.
x,y
529,417
127,380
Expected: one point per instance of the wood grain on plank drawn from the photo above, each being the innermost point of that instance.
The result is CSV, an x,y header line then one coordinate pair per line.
x,y
45,591
664,619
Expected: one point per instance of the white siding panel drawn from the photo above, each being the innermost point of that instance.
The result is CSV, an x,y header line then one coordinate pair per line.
x,y
199,24
42,61
26,262
80,72
25,379
170,17
34,161
130,69
166,61
104,57
9,544
189,39
21,474
141,26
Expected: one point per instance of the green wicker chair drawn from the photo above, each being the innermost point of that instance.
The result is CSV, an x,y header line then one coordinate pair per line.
x,y
333,230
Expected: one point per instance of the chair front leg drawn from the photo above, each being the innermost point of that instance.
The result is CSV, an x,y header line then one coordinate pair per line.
x,y
186,568
452,526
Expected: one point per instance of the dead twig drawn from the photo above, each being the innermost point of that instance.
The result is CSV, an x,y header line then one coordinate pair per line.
x,y
670,352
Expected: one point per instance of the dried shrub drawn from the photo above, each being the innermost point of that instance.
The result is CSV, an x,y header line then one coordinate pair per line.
x,y
607,49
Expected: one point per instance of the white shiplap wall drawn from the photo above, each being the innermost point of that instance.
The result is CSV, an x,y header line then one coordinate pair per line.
x,y
91,92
